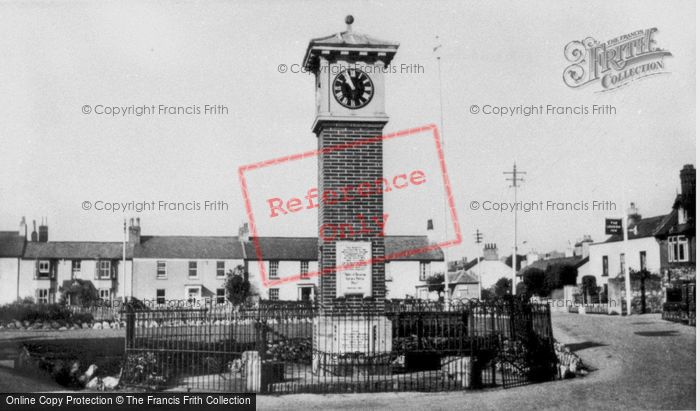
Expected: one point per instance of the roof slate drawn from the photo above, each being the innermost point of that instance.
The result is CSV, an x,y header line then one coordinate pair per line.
x,y
203,247
199,247
576,261
85,250
646,227
462,277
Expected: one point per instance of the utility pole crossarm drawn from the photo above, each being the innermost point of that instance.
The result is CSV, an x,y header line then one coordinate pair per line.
x,y
514,178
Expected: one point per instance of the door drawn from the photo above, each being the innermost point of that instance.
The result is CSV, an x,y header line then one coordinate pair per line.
x,y
305,293
193,294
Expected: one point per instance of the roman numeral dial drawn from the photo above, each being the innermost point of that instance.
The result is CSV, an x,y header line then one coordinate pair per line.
x,y
353,88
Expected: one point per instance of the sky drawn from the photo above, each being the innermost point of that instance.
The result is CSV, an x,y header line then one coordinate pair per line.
x,y
58,57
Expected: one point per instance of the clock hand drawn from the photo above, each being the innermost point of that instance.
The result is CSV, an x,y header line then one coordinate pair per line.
x,y
349,81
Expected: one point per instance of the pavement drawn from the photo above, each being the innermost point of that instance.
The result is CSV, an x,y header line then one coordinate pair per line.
x,y
637,362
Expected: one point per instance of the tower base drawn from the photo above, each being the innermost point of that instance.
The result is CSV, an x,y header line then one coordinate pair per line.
x,y
346,346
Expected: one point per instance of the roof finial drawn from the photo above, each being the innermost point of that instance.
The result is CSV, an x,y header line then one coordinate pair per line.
x,y
349,20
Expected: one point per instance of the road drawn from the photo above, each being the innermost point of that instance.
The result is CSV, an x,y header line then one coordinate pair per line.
x,y
640,362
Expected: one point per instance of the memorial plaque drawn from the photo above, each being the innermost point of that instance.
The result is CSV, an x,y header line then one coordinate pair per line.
x,y
355,280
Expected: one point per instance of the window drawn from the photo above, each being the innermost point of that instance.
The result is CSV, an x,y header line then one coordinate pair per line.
x,y
161,269
274,269
424,271
42,296
44,268
622,263
105,294
193,269
104,269
160,296
220,268
274,294
220,296
75,268
605,266
678,249
642,260
387,272
304,269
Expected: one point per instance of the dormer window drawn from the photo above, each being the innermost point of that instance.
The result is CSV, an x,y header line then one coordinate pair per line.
x,y
682,215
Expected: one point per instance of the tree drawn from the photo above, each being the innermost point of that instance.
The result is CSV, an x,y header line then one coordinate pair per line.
x,y
588,286
237,286
559,275
534,281
522,290
642,276
79,292
436,283
502,287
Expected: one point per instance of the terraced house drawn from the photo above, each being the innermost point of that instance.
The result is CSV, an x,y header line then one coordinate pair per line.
x,y
161,269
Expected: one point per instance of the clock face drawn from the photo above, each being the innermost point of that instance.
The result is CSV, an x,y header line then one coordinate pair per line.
x,y
353,88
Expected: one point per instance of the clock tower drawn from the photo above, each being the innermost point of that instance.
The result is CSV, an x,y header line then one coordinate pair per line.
x,y
349,70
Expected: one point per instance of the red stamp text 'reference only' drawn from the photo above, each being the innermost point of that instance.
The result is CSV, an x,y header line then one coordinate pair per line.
x,y
278,207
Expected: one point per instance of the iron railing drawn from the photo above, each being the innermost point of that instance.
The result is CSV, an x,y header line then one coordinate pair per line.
x,y
410,346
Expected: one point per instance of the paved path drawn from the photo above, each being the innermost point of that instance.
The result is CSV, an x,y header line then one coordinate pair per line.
x,y
640,362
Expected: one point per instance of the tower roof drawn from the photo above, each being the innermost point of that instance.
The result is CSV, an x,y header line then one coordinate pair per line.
x,y
347,42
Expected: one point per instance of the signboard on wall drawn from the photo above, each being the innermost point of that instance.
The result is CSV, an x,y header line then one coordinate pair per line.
x,y
357,279
613,226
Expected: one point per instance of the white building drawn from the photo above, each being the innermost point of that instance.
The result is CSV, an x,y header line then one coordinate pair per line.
x,y
182,268
642,251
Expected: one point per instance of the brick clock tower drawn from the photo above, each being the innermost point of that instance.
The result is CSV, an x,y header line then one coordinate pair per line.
x,y
349,70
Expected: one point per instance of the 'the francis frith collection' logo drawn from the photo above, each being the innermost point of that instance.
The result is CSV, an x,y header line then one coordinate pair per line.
x,y
614,63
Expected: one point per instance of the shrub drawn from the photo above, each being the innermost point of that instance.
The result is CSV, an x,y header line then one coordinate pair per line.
x,y
24,311
237,286
79,292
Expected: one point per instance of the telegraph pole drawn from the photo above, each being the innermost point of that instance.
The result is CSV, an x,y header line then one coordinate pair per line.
x,y
442,142
478,237
514,179
123,283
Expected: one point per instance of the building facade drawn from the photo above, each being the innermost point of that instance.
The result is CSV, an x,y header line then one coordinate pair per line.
x,y
160,269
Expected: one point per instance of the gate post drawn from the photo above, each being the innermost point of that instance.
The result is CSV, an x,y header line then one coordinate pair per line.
x,y
130,323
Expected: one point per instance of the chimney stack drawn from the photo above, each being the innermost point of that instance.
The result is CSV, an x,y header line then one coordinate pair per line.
x,y
243,232
23,228
44,231
490,252
134,231
633,216
688,190
688,181
431,233
34,234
